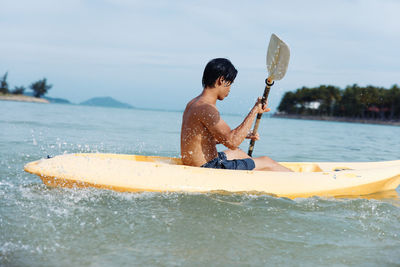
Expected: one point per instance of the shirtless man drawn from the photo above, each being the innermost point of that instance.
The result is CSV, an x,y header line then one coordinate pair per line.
x,y
203,128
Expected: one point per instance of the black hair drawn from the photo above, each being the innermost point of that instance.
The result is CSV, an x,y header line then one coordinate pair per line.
x,y
216,68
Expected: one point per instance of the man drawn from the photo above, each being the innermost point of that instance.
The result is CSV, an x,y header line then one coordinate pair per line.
x,y
203,128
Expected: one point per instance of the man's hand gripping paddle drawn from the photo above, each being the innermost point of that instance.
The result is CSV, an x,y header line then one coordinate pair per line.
x,y
277,62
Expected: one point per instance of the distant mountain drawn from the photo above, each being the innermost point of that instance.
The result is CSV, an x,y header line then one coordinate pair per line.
x,y
105,102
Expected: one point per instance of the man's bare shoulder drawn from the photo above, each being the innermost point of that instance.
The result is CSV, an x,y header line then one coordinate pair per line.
x,y
198,107
204,110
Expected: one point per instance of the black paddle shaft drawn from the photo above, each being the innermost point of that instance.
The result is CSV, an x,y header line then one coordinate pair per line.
x,y
268,84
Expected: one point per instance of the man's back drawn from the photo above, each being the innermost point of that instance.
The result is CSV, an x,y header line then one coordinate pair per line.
x,y
198,146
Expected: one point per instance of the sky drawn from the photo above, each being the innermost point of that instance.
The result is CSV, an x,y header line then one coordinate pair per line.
x,y
151,54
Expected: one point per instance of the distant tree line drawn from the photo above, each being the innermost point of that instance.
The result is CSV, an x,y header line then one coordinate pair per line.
x,y
354,101
39,88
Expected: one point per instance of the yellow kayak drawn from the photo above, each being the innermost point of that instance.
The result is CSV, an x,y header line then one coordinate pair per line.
x,y
134,173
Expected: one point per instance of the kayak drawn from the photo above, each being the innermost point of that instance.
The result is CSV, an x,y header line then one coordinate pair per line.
x,y
136,173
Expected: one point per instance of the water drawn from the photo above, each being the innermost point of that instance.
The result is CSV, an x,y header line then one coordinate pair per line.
x,y
41,226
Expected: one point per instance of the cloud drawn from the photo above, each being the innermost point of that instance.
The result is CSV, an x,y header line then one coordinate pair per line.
x,y
142,43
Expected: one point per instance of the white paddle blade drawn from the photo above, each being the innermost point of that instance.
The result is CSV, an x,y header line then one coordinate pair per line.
x,y
277,58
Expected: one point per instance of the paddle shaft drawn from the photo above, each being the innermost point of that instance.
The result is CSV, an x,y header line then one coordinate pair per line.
x,y
268,84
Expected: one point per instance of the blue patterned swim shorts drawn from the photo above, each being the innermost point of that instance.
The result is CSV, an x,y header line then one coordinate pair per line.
x,y
221,162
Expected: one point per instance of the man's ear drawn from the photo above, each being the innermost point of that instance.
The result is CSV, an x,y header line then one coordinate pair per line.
x,y
220,81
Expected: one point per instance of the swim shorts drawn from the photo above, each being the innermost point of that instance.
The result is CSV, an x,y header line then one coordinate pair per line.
x,y
221,162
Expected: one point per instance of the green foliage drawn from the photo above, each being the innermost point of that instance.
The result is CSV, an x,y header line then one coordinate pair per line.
x,y
18,90
354,101
40,87
4,84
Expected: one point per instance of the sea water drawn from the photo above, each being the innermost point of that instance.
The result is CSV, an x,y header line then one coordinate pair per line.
x,y
42,226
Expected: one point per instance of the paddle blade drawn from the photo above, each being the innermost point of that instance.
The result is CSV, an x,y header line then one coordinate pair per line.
x,y
277,58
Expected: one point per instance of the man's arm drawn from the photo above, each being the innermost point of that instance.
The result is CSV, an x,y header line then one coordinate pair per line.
x,y
221,131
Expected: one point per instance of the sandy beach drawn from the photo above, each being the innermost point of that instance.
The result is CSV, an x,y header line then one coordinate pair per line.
x,y
22,98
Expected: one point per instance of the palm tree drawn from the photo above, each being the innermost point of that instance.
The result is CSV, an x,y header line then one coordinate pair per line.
x,y
4,84
40,87
393,96
351,103
288,103
18,90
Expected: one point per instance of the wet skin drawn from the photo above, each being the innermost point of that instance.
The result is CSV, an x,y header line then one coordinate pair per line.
x,y
203,128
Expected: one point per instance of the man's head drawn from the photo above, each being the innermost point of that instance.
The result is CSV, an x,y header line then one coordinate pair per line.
x,y
218,68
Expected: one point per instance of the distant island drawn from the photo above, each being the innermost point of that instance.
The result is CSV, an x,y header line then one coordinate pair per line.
x,y
105,102
96,101
368,104
41,87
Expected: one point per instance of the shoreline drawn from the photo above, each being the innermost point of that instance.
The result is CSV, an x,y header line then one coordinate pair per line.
x,y
337,119
22,98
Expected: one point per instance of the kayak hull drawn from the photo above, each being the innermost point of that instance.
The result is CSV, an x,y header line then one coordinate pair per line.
x,y
134,173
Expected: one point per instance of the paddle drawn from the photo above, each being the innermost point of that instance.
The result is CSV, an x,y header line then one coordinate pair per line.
x,y
277,62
